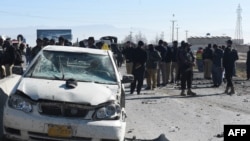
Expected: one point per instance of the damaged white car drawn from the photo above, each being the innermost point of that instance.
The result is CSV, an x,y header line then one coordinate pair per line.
x,y
68,93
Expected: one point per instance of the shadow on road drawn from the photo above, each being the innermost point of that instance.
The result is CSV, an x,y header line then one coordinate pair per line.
x,y
162,137
128,96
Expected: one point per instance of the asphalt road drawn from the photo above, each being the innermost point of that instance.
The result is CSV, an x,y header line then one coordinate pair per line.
x,y
198,118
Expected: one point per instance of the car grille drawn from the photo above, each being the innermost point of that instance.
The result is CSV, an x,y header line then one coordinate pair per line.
x,y
63,109
44,137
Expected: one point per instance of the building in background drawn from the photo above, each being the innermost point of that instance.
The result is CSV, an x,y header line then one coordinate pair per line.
x,y
54,34
204,41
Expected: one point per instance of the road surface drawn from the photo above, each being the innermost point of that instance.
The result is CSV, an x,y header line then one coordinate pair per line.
x,y
199,118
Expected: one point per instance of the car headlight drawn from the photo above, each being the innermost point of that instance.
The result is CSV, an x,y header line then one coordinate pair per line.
x,y
20,103
111,111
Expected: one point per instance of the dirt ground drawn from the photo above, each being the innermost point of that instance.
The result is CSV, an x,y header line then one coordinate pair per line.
x,y
198,118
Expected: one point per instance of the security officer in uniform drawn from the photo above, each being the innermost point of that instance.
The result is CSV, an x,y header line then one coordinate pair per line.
x,y
186,70
229,59
128,54
139,60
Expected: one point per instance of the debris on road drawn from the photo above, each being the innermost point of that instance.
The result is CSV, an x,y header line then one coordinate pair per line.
x,y
162,137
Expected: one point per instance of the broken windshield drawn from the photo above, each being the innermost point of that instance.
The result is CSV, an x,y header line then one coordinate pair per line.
x,y
57,65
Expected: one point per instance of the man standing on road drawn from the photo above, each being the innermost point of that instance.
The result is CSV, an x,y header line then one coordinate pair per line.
x,y
167,61
151,65
248,64
217,66
8,58
207,57
128,54
186,70
178,59
139,60
174,64
229,59
161,72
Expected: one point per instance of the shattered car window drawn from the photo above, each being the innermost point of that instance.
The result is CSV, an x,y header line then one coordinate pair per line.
x,y
70,65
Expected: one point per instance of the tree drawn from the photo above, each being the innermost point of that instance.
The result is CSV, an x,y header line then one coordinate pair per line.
x,y
135,38
140,37
128,38
157,38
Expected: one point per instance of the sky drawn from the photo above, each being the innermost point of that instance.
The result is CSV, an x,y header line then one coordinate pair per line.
x,y
151,18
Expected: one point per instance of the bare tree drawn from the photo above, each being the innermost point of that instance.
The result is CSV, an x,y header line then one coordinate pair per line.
x,y
129,38
135,38
157,38
140,37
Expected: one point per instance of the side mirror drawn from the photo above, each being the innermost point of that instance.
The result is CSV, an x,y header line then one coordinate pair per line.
x,y
128,78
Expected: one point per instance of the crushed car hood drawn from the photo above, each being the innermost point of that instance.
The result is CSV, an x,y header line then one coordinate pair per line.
x,y
85,92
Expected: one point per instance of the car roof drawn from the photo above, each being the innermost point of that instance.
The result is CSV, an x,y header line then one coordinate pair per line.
x,y
75,49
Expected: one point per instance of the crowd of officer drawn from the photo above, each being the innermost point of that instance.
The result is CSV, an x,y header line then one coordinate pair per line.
x,y
163,64
160,64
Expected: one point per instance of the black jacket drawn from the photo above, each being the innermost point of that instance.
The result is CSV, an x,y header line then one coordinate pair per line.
x,y
229,58
139,58
9,55
153,58
35,51
248,61
207,53
174,54
128,53
163,51
168,56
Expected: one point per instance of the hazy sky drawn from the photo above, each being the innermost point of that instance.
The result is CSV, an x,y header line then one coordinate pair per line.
x,y
197,17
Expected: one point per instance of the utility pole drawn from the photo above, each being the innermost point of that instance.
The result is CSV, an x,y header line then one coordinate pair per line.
x,y
186,35
177,28
173,28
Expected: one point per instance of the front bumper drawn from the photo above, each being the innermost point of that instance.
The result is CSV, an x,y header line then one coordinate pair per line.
x,y
33,126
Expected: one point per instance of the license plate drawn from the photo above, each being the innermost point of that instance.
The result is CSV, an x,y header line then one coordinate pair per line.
x,y
59,131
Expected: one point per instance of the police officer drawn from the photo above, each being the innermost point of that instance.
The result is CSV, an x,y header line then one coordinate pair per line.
x,y
229,59
207,56
128,54
248,64
186,70
162,64
217,66
139,60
